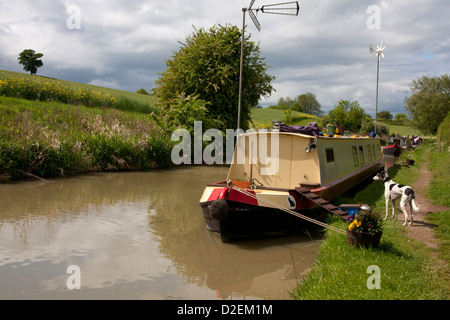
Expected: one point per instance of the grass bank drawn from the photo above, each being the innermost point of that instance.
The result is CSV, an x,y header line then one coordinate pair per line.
x,y
20,85
51,139
407,269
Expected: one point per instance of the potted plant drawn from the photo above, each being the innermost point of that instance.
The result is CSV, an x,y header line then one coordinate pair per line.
x,y
365,228
409,161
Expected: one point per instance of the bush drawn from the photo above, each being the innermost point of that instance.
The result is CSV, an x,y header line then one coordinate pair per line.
x,y
443,134
368,125
42,139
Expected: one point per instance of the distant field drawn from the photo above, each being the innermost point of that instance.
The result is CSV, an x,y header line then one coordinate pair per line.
x,y
263,117
404,131
21,85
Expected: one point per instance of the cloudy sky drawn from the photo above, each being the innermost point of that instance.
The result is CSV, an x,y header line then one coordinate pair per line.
x,y
123,44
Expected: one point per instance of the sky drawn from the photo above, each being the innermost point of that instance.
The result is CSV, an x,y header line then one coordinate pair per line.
x,y
124,44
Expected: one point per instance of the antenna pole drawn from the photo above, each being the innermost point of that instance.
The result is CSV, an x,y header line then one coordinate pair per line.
x,y
376,105
244,10
274,9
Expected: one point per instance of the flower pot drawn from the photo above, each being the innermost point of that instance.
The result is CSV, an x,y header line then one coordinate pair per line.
x,y
241,184
363,239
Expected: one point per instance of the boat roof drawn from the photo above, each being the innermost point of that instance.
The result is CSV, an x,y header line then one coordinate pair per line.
x,y
310,131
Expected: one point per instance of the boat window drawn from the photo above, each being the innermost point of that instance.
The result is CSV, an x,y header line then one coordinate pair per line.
x,y
355,156
373,147
370,152
330,155
361,153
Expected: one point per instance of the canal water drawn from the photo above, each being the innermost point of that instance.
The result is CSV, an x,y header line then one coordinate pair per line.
x,y
135,236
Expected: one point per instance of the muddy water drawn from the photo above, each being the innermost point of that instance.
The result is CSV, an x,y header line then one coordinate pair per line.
x,y
134,236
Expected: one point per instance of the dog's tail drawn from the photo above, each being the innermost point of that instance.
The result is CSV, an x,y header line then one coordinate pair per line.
x,y
414,205
410,192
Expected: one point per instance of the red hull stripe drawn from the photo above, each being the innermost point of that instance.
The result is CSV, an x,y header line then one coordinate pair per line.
x,y
240,197
232,195
217,193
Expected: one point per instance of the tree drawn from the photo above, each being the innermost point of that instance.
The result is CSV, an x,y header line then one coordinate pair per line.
x,y
348,114
429,102
368,126
207,67
30,60
309,104
400,119
143,91
285,103
384,115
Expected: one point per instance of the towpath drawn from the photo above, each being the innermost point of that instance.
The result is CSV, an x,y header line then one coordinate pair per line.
x,y
421,229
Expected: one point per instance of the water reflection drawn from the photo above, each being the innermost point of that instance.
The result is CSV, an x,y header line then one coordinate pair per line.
x,y
135,236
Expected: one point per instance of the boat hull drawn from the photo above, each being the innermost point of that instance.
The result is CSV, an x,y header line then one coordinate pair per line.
x,y
244,221
393,150
235,215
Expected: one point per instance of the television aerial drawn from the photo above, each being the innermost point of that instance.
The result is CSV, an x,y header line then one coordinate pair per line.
x,y
290,8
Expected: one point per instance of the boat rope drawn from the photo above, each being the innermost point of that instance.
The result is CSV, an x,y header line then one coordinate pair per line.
x,y
292,212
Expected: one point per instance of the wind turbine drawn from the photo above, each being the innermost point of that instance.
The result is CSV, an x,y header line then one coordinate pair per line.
x,y
379,53
286,8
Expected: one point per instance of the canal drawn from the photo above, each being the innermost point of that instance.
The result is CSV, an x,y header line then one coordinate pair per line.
x,y
135,236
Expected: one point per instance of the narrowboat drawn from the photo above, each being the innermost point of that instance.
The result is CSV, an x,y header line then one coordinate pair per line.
x,y
274,173
393,150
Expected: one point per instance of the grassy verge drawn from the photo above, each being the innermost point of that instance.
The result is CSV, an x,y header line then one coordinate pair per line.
x,y
407,269
51,139
439,192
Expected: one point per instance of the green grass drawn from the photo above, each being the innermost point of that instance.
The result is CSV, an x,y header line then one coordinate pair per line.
x,y
404,131
341,272
439,189
52,139
442,221
20,85
408,271
263,117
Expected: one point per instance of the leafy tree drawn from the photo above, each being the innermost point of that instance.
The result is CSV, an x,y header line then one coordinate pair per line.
x,y
400,119
30,60
143,91
285,103
384,115
348,114
429,102
309,104
368,126
184,111
207,67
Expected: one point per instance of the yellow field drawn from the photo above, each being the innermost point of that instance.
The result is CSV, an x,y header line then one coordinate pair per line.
x,y
19,85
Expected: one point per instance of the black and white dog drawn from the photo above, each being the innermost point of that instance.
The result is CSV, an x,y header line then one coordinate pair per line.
x,y
394,191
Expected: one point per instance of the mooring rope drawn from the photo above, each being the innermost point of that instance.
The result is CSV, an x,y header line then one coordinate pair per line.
x,y
292,212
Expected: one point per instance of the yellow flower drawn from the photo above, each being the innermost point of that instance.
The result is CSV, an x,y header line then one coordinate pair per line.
x,y
355,223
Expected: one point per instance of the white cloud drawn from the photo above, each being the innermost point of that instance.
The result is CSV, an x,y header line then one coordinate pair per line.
x,y
324,50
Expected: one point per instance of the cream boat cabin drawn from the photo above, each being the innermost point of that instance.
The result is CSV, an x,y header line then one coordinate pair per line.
x,y
273,166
